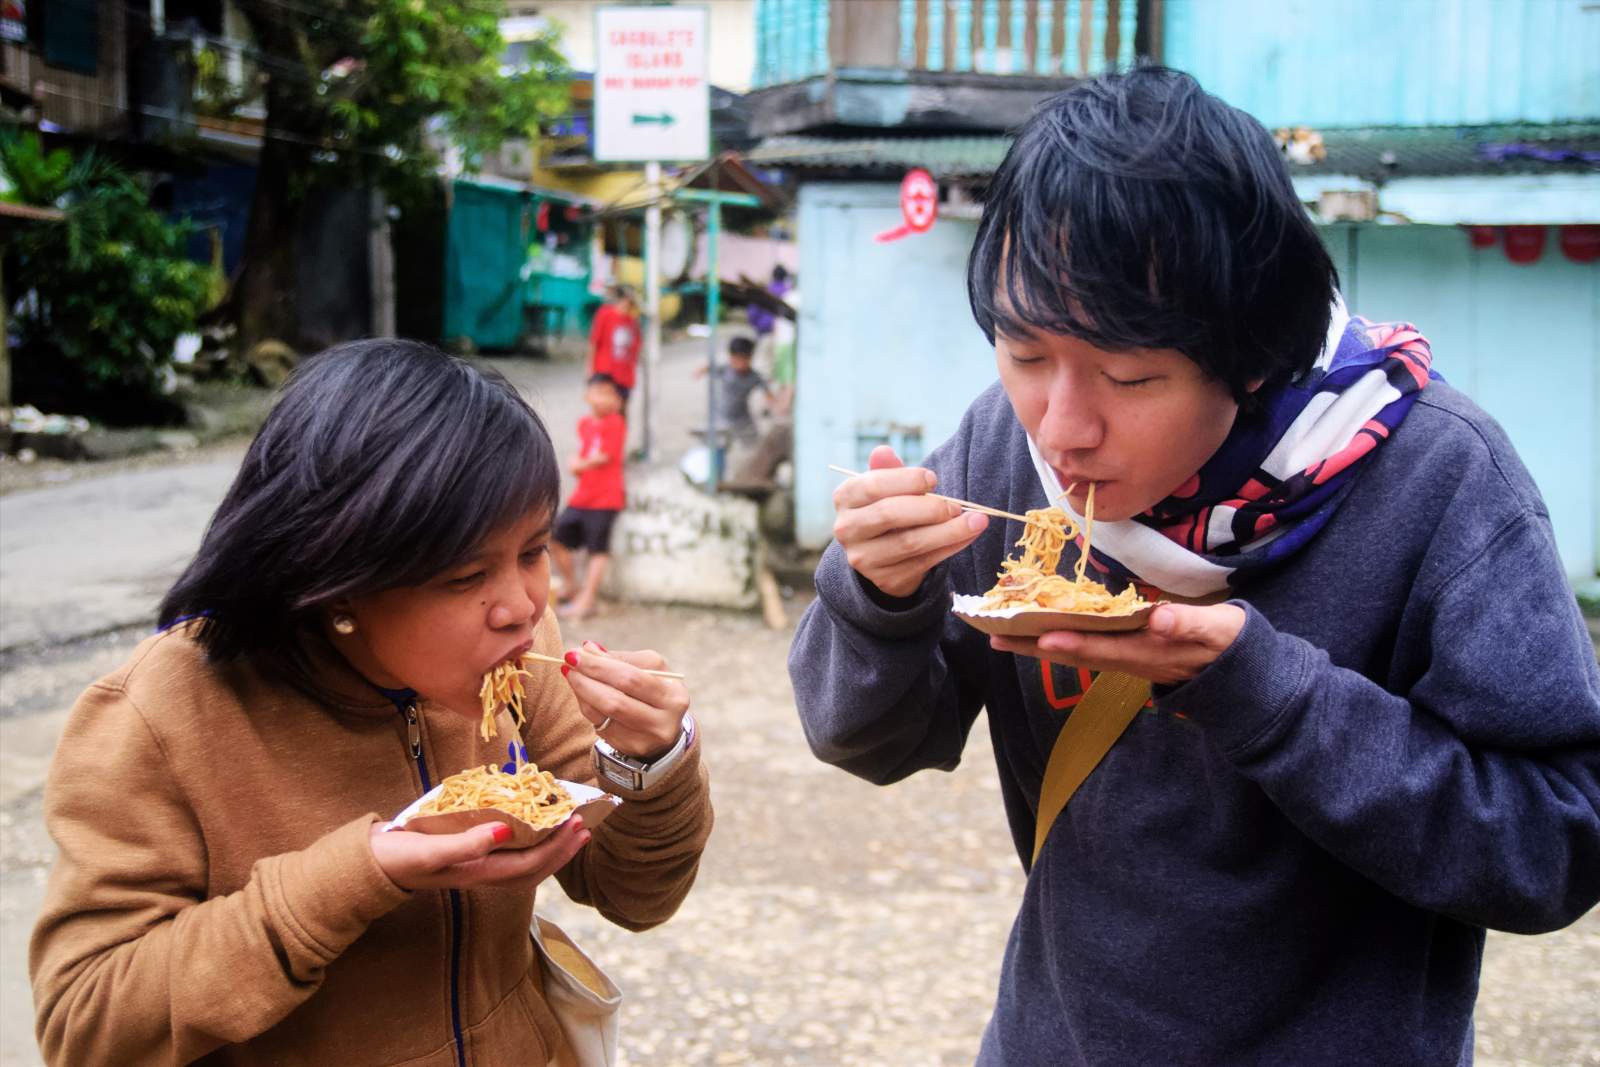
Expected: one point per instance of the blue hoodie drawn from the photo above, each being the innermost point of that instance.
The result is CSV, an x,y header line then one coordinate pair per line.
x,y
1291,858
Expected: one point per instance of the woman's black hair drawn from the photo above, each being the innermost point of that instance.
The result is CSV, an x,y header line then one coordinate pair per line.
x,y
383,463
1136,210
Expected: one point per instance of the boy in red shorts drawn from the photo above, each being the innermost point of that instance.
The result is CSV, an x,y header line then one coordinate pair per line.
x,y
586,521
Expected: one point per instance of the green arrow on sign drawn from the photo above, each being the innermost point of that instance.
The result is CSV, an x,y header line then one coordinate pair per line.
x,y
662,119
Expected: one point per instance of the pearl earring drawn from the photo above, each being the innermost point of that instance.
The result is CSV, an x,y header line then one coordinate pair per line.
x,y
344,624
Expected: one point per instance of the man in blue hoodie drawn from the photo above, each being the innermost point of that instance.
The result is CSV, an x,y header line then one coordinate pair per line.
x,y
1374,718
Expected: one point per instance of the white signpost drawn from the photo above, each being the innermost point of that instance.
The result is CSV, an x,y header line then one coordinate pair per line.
x,y
652,104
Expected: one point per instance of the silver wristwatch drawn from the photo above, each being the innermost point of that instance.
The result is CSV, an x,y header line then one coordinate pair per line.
x,y
634,775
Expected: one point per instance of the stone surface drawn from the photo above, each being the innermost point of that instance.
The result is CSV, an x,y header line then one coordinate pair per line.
x,y
834,923
675,544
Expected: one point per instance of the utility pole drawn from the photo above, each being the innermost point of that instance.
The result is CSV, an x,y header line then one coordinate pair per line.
x,y
652,313
714,201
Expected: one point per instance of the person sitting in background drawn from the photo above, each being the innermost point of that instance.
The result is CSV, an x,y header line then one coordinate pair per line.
x,y
734,382
592,510
764,321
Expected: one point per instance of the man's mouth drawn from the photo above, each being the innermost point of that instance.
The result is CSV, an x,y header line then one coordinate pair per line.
x,y
1078,484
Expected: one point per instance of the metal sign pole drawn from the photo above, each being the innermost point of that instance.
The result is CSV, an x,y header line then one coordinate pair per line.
x,y
652,304
719,455
714,201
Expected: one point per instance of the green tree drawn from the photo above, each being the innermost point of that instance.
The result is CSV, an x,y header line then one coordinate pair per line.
x,y
357,93
106,291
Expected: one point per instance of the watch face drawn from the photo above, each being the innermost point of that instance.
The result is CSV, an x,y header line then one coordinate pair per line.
x,y
619,777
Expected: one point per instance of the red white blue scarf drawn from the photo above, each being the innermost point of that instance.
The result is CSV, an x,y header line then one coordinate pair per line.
x,y
1280,474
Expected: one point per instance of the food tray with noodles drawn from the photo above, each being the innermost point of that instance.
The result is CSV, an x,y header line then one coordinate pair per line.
x,y
593,804
1026,621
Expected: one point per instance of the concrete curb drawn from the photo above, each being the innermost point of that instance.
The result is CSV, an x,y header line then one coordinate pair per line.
x,y
212,413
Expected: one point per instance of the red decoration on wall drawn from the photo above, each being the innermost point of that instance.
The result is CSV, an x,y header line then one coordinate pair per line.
x,y
1482,236
919,205
543,218
1525,244
1581,244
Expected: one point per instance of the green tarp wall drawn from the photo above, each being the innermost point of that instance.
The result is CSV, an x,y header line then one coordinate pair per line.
x,y
485,248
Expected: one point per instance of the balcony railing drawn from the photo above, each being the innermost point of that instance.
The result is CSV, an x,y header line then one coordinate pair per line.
x,y
798,39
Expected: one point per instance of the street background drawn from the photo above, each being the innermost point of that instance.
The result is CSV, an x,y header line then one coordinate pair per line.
x,y
834,923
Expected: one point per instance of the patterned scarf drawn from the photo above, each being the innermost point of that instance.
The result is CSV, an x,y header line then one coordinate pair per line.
x,y
1280,474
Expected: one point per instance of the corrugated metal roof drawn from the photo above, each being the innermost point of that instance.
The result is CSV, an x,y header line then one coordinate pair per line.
x,y
1375,153
943,157
1413,152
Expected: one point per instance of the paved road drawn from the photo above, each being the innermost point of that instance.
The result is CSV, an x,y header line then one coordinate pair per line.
x,y
95,554
834,924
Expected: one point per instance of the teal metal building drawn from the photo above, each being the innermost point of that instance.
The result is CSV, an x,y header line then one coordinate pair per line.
x,y
1450,150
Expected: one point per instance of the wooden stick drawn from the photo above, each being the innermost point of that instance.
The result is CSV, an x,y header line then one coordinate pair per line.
x,y
965,505
542,658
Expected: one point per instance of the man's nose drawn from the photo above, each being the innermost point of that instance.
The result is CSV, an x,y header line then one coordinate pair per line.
x,y
1071,421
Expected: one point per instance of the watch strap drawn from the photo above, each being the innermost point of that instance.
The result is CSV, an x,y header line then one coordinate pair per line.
x,y
634,775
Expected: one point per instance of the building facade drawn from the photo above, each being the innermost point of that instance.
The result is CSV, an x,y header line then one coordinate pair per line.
x,y
1449,149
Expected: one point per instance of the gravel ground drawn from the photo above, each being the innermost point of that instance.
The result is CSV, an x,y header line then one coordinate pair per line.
x,y
834,924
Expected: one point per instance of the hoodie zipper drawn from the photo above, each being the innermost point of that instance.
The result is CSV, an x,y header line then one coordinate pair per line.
x,y
408,709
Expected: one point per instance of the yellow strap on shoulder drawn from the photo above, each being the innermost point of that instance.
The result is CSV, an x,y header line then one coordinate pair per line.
x,y
1110,704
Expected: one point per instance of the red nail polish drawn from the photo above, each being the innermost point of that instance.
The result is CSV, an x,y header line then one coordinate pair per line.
x,y
583,839
501,833
572,659
601,647
564,670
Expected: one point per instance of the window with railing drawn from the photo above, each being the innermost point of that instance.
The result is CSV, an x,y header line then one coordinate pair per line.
x,y
799,39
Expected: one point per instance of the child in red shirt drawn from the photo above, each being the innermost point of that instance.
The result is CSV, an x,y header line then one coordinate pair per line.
x,y
586,521
614,341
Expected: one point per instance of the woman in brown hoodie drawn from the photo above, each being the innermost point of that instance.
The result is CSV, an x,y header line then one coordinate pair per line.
x,y
225,891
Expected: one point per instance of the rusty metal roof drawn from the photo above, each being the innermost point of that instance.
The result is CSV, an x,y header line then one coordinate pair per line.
x,y
1376,153
943,157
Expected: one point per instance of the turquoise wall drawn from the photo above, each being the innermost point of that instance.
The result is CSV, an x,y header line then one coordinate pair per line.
x,y
888,348
1392,62
791,40
1521,340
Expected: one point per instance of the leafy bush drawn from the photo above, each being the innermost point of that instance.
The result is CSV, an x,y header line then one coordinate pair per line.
x,y
99,298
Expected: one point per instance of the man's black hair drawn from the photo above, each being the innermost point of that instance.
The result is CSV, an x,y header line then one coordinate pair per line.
x,y
602,378
383,464
1136,210
741,346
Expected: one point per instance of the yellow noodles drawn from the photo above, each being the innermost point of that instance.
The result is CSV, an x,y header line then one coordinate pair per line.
x,y
532,795
503,685
1031,580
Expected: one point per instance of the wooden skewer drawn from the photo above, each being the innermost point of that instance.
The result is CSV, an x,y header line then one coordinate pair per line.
x,y
542,658
965,505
